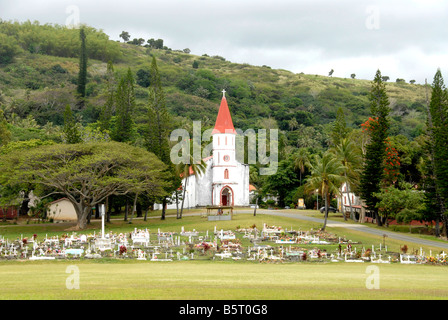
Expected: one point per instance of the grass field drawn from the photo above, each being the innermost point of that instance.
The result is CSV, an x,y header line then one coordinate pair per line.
x,y
220,280
215,280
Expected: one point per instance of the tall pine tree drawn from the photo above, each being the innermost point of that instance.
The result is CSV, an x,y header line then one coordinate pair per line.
x,y
108,108
158,130
82,75
373,170
339,130
71,130
438,145
124,127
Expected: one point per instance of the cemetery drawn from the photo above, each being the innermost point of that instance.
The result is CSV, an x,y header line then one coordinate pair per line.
x,y
269,244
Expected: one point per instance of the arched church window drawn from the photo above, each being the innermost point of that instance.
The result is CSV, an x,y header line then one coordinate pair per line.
x,y
226,174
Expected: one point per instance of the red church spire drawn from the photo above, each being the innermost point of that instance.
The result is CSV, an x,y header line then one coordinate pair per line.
x,y
224,122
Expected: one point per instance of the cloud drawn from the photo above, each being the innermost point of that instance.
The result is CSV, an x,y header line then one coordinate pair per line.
x,y
403,38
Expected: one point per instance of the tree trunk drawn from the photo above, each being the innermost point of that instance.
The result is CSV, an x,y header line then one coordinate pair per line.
x,y
83,212
139,210
256,205
126,210
163,209
378,218
177,205
97,211
89,215
134,208
326,211
349,201
146,214
183,198
108,209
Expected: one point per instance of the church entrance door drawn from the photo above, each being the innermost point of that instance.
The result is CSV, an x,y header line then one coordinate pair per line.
x,y
226,197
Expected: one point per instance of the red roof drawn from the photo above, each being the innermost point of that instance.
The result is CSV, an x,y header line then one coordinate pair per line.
x,y
224,122
191,171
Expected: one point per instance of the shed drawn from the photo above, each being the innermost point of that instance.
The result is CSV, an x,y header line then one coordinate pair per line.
x,y
62,210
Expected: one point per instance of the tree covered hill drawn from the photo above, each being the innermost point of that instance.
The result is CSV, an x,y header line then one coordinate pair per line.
x,y
39,73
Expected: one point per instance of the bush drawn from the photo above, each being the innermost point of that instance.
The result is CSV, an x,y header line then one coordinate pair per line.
x,y
8,49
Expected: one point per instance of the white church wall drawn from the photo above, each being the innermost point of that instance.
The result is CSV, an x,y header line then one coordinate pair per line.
x,y
204,186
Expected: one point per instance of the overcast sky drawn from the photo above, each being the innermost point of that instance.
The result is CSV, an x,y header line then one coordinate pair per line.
x,y
404,39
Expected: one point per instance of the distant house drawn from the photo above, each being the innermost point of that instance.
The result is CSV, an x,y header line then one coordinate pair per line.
x,y
252,193
62,210
348,197
8,212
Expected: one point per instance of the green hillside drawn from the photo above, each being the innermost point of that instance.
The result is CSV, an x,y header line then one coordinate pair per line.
x,y
40,78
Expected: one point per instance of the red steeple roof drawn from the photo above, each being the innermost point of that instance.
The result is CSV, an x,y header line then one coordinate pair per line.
x,y
224,122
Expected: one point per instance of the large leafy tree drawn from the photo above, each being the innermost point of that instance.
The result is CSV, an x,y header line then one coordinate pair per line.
x,y
86,174
373,171
402,203
327,175
283,182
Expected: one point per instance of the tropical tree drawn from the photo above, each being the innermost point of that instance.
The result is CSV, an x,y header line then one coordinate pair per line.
x,y
187,170
301,160
283,182
8,48
125,36
86,174
327,174
351,158
5,134
402,203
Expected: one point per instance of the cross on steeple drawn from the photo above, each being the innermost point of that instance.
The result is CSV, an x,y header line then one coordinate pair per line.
x,y
223,93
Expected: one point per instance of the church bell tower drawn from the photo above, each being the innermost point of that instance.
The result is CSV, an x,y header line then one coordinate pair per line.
x,y
225,175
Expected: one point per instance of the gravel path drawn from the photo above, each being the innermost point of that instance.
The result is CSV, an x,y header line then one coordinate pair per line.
x,y
354,226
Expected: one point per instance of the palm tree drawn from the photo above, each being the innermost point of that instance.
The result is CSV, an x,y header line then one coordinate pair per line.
x,y
187,170
301,160
326,175
351,158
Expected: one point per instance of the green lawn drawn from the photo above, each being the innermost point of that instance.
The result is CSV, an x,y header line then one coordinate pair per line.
x,y
220,280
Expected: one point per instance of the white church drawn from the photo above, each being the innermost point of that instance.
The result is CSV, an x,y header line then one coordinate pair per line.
x,y
225,182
